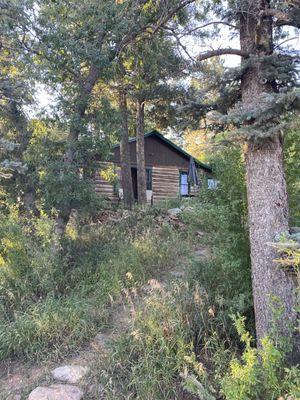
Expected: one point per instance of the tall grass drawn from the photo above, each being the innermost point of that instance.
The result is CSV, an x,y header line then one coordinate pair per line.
x,y
184,342
49,303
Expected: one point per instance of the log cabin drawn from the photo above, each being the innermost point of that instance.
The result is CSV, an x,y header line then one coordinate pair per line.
x,y
168,171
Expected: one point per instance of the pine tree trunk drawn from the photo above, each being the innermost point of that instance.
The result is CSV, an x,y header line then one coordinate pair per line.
x,y
126,177
266,187
268,218
140,153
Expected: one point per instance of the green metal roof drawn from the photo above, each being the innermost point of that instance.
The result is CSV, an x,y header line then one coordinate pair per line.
x,y
173,145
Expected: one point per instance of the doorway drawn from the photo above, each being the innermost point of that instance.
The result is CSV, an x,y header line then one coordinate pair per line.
x,y
134,180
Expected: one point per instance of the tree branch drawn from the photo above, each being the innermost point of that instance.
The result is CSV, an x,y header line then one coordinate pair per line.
x,y
282,18
184,33
285,41
177,38
221,52
164,19
151,29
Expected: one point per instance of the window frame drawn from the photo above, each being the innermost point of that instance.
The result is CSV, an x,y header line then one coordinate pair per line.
x,y
181,173
149,179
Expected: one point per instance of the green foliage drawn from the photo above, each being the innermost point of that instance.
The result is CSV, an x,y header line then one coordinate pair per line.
x,y
292,167
161,360
261,373
28,266
176,346
63,298
266,118
221,216
183,337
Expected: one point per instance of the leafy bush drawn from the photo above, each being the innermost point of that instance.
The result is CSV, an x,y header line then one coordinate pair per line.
x,y
292,167
51,303
261,373
29,267
220,215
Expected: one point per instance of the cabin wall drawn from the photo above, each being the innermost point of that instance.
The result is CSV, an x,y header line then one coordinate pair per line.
x,y
103,186
157,152
165,183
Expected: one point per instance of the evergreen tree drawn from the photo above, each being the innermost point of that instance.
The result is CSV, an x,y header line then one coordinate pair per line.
x,y
266,93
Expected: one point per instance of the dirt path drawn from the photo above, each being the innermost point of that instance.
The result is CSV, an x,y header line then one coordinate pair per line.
x,y
17,380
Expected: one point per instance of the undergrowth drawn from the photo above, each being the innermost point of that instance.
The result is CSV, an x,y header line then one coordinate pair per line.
x,y
194,339
50,303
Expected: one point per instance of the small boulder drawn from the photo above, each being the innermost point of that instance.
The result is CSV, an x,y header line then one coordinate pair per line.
x,y
56,392
69,373
295,229
173,212
295,236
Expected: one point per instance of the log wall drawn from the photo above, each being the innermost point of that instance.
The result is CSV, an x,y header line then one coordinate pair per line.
x,y
103,187
165,183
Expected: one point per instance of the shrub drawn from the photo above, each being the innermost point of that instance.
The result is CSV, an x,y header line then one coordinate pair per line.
x,y
221,216
29,267
51,303
260,373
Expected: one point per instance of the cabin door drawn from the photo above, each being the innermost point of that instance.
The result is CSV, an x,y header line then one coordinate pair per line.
x,y
134,182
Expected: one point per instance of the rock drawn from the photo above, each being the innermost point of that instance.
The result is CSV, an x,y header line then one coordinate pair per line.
x,y
295,236
200,234
295,229
56,392
187,209
69,373
173,212
200,253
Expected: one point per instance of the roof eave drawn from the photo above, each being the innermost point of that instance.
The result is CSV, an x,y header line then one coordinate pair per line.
x,y
170,143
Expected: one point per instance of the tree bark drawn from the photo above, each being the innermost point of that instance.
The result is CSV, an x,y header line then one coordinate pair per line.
x,y
266,188
81,104
126,177
268,218
140,153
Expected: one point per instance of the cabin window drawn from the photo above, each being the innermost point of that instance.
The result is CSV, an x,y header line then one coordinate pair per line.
x,y
212,183
184,184
149,178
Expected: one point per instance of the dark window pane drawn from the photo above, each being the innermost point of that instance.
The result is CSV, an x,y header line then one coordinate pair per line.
x,y
149,179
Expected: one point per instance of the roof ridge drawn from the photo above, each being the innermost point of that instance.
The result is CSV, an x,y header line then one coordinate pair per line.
x,y
170,143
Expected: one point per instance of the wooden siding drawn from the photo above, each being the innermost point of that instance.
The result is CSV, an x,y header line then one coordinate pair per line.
x,y
165,183
157,152
103,187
